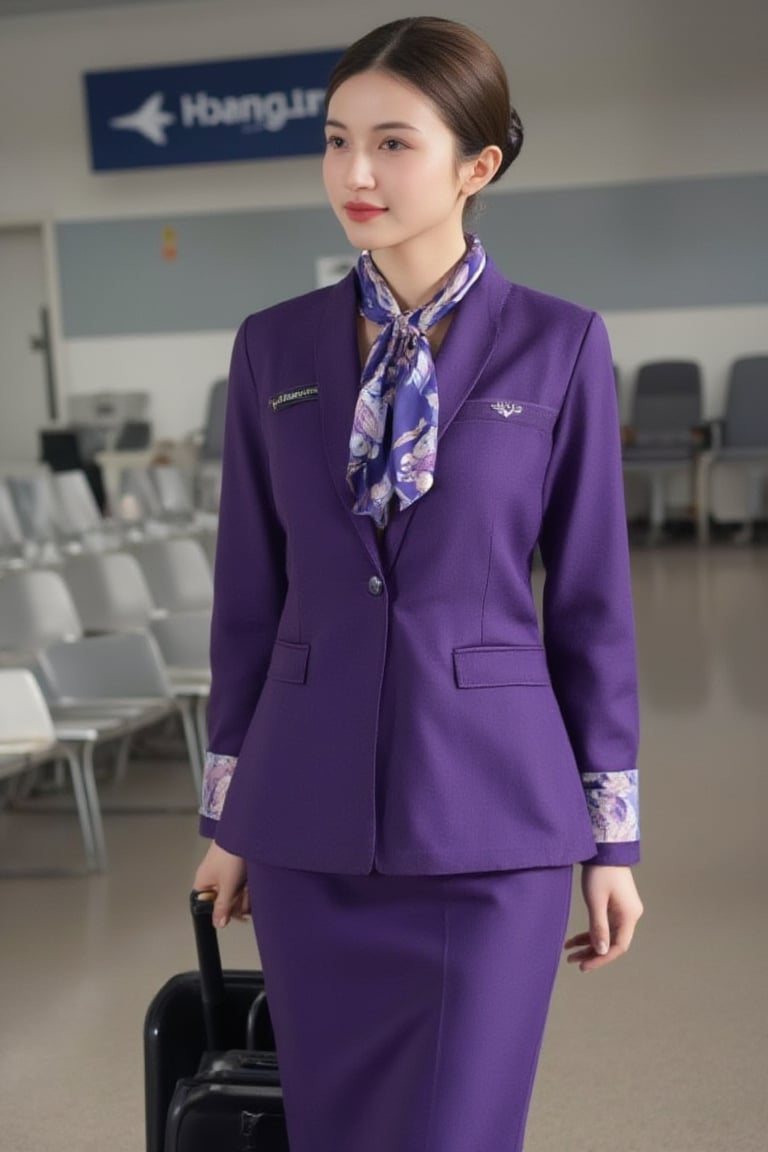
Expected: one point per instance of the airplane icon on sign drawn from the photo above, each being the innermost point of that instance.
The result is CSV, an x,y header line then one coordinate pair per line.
x,y
150,120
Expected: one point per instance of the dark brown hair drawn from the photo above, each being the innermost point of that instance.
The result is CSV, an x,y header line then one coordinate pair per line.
x,y
455,68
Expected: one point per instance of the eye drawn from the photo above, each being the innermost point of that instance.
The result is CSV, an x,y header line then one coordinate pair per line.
x,y
333,143
391,145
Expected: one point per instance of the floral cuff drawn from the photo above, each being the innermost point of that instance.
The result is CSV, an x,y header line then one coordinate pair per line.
x,y
612,801
216,777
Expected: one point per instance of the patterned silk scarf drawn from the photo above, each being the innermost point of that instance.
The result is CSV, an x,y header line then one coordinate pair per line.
x,y
393,446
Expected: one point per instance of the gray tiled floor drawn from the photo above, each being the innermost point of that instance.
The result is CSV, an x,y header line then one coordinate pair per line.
x,y
665,1052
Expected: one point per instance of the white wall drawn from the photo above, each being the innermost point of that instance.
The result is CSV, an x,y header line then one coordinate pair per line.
x,y
609,90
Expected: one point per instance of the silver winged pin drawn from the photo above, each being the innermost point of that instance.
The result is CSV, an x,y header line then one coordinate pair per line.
x,y
506,408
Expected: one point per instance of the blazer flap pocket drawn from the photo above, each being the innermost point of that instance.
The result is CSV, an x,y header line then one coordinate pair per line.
x,y
289,662
497,665
509,413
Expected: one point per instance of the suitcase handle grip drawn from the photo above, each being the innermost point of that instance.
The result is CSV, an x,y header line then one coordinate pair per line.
x,y
209,960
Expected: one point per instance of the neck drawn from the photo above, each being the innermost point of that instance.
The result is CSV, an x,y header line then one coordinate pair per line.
x,y
416,271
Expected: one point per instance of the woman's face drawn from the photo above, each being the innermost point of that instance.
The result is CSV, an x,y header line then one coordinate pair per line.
x,y
390,167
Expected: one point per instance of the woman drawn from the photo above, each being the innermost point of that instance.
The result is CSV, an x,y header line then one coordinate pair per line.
x,y
403,771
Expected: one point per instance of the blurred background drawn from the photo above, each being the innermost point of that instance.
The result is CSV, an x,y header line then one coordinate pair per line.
x,y
142,216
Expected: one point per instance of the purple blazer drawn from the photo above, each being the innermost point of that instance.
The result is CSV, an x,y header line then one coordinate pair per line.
x,y
397,705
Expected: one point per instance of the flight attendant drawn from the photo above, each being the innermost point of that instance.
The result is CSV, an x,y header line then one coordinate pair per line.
x,y
405,765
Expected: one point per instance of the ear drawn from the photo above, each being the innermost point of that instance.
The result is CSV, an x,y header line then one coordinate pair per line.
x,y
478,172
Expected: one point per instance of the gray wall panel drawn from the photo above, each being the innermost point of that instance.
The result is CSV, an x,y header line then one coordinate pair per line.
x,y
671,244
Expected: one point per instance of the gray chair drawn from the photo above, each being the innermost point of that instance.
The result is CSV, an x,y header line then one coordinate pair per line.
x,y
174,492
177,499
79,515
661,439
139,491
112,595
126,668
35,506
109,591
177,572
13,546
740,438
28,739
184,641
36,609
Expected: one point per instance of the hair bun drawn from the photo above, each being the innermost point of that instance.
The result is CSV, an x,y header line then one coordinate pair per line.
x,y
512,145
514,137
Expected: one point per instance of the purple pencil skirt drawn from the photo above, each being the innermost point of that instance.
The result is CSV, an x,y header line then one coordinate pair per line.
x,y
408,1010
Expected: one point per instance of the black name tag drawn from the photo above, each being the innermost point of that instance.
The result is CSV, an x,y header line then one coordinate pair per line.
x,y
297,396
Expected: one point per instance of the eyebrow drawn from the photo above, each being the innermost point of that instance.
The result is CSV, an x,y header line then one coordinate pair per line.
x,y
388,125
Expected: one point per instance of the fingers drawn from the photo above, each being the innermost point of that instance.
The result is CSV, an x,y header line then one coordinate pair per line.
x,y
241,908
223,876
231,901
599,928
614,909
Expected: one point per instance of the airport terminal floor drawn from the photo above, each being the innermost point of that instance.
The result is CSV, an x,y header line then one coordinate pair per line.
x,y
663,1052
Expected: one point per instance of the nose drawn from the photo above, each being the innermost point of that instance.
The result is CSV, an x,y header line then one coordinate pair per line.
x,y
359,172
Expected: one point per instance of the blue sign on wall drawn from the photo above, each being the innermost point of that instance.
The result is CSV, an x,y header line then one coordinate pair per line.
x,y
246,109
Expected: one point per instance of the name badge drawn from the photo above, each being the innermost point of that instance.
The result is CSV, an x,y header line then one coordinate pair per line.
x,y
297,396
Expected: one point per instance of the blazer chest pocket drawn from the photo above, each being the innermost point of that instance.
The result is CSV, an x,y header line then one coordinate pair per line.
x,y
498,665
289,662
508,413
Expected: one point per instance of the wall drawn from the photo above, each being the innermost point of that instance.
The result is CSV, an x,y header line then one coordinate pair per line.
x,y
612,93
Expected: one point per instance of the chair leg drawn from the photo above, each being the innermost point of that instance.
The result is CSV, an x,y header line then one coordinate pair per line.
x,y
120,770
92,796
193,748
754,483
658,507
703,496
84,814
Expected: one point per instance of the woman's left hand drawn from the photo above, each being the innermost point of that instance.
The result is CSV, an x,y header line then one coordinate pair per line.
x,y
614,909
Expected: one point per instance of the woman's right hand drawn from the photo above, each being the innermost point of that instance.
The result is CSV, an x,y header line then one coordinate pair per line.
x,y
224,874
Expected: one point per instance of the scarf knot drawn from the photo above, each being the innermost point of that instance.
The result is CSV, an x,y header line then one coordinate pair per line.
x,y
393,445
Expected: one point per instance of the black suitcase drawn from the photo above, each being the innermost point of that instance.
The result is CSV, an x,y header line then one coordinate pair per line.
x,y
211,1078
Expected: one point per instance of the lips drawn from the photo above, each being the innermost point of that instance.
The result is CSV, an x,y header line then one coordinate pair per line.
x,y
361,212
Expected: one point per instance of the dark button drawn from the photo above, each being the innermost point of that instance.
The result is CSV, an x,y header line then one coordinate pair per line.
x,y
375,586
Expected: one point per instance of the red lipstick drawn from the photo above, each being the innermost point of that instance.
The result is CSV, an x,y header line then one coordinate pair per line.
x,y
360,211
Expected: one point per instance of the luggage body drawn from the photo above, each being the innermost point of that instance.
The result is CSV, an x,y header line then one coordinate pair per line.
x,y
211,1076
175,1041
227,1110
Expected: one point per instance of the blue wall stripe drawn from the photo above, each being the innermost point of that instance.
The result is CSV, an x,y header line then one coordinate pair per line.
x,y
658,244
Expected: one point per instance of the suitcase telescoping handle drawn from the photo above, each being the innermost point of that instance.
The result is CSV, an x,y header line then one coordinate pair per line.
x,y
211,975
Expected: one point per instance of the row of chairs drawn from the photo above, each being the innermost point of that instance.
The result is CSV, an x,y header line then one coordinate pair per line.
x,y
667,433
108,661
44,516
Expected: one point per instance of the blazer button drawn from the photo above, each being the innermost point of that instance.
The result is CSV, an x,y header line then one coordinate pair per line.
x,y
375,586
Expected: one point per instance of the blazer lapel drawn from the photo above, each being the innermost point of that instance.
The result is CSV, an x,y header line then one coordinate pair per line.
x,y
466,349
337,363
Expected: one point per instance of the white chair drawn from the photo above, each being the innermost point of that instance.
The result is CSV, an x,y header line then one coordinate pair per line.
x,y
177,572
109,591
174,492
79,514
36,608
35,505
13,549
125,667
139,500
36,612
184,641
28,739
